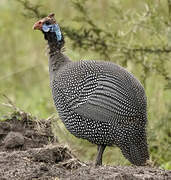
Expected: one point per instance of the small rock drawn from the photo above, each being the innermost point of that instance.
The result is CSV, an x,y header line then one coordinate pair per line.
x,y
13,139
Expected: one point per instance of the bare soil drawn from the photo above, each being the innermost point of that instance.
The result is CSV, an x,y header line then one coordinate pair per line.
x,y
29,151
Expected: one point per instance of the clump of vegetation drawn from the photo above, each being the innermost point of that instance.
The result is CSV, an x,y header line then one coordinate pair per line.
x,y
134,34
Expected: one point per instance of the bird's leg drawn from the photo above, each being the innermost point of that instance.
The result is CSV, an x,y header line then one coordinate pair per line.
x,y
100,150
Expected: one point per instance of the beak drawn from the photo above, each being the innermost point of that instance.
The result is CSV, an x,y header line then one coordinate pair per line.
x,y
38,25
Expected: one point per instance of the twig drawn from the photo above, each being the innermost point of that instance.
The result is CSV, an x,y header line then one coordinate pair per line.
x,y
34,9
10,103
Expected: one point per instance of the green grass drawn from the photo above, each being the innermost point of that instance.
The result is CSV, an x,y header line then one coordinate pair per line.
x,y
24,74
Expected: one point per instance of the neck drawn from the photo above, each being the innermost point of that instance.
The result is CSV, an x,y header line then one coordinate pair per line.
x,y
56,58
55,45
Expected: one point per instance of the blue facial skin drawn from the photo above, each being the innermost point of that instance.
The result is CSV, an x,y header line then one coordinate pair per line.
x,y
53,28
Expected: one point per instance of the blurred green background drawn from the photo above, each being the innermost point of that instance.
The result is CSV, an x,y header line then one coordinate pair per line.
x,y
134,34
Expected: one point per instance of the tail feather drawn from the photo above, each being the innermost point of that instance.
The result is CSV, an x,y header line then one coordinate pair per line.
x,y
137,154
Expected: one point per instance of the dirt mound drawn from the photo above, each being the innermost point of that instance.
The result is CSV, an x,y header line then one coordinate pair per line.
x,y
50,161
28,150
21,132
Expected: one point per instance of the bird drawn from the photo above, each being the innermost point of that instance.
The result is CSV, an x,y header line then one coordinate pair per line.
x,y
99,101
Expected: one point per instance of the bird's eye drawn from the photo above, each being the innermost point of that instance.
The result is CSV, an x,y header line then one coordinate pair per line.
x,y
47,23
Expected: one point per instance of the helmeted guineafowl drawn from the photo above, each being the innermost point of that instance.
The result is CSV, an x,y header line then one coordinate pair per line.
x,y
96,100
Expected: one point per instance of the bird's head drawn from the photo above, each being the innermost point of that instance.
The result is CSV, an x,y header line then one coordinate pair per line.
x,y
51,30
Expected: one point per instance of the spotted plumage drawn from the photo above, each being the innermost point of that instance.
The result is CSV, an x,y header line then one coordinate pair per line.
x,y
97,100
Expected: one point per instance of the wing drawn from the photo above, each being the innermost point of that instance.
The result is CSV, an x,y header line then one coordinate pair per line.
x,y
111,100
